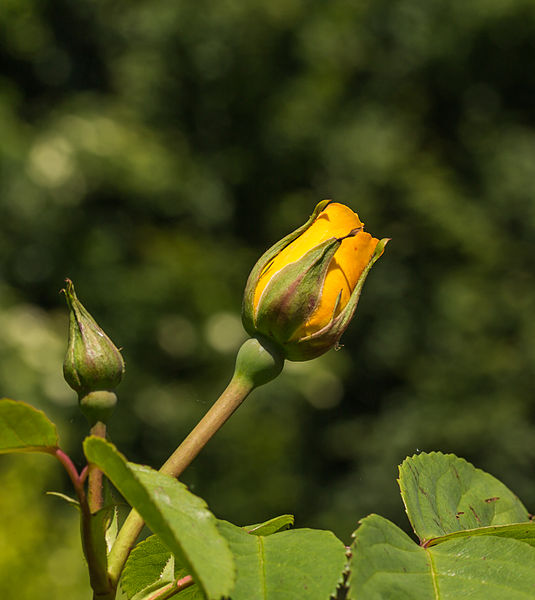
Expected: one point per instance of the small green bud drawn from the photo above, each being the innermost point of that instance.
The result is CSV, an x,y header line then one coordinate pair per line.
x,y
93,366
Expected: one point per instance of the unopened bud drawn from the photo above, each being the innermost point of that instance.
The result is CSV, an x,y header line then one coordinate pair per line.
x,y
93,366
303,292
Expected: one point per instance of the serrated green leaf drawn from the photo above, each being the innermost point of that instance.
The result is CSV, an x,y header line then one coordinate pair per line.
x,y
301,564
272,526
444,494
387,565
146,565
25,429
181,519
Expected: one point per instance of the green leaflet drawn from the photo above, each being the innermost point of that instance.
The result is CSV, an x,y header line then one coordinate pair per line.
x,y
470,544
444,494
386,564
25,429
300,564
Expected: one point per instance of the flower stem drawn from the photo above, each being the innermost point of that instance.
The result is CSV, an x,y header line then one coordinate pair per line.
x,y
257,363
94,486
219,413
235,393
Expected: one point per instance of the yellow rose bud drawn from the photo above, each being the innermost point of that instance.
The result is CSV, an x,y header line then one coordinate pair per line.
x,y
303,291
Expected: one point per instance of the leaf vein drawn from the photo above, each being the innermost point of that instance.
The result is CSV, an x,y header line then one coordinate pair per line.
x,y
262,558
433,574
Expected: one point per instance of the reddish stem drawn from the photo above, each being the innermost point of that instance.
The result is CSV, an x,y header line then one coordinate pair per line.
x,y
67,463
172,589
84,473
97,573
185,582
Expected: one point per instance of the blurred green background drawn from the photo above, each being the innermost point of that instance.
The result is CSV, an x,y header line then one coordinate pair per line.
x,y
152,150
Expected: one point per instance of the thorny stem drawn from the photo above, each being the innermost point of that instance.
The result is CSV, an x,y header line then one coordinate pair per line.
x,y
97,571
94,487
235,393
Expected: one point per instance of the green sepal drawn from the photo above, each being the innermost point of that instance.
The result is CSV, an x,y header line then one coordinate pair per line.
x,y
263,262
293,293
311,346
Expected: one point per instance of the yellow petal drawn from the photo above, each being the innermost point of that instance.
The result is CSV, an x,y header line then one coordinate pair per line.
x,y
336,220
344,272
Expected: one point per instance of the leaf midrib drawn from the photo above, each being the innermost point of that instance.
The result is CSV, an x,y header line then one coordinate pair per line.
x,y
432,568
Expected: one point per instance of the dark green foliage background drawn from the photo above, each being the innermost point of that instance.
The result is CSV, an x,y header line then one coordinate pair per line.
x,y
152,150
